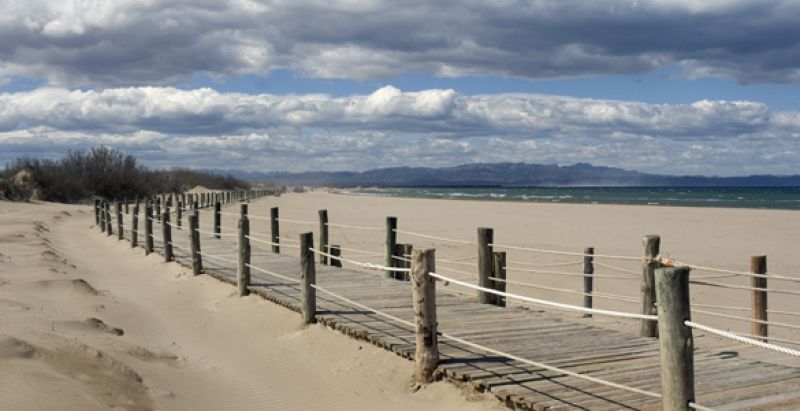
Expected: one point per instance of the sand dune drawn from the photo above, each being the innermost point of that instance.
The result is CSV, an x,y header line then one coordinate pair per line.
x,y
88,323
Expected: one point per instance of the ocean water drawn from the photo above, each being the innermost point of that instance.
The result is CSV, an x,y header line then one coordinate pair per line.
x,y
782,198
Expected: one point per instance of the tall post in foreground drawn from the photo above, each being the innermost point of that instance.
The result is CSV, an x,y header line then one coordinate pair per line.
x,y
148,228
758,265
652,245
499,272
194,244
166,234
243,273
423,297
588,278
485,238
323,236
217,220
274,230
308,277
120,231
391,241
675,338
335,251
135,226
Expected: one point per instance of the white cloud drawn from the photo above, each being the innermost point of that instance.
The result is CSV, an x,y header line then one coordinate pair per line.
x,y
205,128
124,42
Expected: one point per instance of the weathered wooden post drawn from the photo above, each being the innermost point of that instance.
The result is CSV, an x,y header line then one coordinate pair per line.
x,y
120,223
675,338
194,243
135,226
127,209
166,235
391,241
758,265
179,214
275,230
148,228
423,297
499,272
243,210
97,211
650,261
408,250
308,277
335,251
485,239
217,220
243,273
323,236
588,278
109,220
158,208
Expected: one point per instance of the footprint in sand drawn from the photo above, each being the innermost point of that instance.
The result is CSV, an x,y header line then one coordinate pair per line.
x,y
94,325
103,377
78,285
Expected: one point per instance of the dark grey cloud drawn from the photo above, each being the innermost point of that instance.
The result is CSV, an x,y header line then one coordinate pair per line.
x,y
163,42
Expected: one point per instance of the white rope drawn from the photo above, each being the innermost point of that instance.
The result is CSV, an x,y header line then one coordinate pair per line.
x,y
779,312
546,302
287,239
368,266
230,214
782,340
545,251
452,240
615,268
565,273
751,320
742,339
568,291
286,220
699,407
743,287
355,227
265,271
211,233
551,368
721,307
255,217
364,307
216,257
565,264
734,272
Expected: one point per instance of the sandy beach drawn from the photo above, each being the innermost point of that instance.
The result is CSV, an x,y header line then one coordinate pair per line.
x,y
89,323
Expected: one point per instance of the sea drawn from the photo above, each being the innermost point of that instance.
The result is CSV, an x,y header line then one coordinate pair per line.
x,y
779,198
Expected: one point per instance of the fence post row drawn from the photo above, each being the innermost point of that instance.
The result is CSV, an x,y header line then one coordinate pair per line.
x,y
676,344
485,263
274,230
391,242
423,297
194,243
243,273
652,245
758,265
166,234
308,295
135,226
499,271
323,236
148,228
588,279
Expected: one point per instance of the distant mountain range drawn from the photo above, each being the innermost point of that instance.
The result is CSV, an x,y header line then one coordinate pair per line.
x,y
507,175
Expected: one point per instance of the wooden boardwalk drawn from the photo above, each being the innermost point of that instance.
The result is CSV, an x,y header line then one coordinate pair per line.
x,y
722,379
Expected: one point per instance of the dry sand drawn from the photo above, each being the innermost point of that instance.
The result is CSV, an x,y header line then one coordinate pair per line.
x,y
88,323
189,343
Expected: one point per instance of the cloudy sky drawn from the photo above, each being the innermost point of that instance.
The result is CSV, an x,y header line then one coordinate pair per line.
x,y
665,86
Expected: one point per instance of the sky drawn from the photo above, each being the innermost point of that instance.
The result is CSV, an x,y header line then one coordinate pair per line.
x,y
663,86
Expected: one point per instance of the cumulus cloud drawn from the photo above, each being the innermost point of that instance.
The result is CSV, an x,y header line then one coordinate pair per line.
x,y
206,128
162,42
